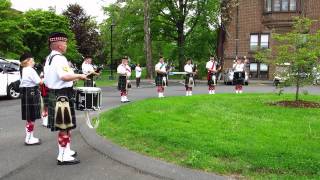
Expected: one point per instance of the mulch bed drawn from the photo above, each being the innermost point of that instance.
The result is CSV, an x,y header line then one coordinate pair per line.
x,y
297,104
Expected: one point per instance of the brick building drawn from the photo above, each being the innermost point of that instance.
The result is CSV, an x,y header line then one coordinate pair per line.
x,y
251,25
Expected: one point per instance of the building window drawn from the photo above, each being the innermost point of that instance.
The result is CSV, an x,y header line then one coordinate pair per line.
x,y
264,43
285,5
259,41
293,5
280,5
254,42
268,5
276,5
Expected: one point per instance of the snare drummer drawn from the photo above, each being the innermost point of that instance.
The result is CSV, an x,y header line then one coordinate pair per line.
x,y
88,70
30,97
189,81
212,68
239,73
161,71
59,77
124,72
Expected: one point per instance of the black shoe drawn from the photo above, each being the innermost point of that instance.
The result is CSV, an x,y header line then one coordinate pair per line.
x,y
61,163
38,143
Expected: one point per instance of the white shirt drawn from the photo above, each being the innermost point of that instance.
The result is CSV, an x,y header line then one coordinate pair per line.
x,y
238,67
30,78
124,70
58,68
161,67
212,65
87,68
188,68
138,72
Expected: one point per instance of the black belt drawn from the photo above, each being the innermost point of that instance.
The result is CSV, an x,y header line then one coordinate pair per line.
x,y
61,91
31,88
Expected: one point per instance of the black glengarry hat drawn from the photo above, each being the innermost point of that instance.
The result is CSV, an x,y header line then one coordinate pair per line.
x,y
25,56
57,36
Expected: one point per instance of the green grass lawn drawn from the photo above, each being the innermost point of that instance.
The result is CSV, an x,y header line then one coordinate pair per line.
x,y
229,134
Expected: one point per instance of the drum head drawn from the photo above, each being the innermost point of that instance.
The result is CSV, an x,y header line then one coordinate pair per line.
x,y
88,89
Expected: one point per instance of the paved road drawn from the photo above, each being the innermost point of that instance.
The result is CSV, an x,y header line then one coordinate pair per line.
x,y
20,162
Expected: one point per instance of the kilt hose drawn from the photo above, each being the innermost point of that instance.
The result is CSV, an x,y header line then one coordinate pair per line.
x,y
30,103
53,95
159,80
122,83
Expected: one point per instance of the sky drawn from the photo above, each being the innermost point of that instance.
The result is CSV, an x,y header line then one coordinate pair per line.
x,y
92,7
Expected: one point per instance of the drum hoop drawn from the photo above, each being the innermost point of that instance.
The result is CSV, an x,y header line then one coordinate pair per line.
x,y
88,89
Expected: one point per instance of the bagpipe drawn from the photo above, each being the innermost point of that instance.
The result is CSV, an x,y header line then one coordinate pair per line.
x,y
192,76
168,67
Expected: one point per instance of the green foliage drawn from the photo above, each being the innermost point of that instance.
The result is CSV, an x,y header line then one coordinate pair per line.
x,y
128,31
299,49
218,134
11,34
85,30
38,26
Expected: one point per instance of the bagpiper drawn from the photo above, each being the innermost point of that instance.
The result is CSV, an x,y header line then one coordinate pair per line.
x,y
161,78
30,97
189,80
89,70
124,72
59,77
212,69
239,74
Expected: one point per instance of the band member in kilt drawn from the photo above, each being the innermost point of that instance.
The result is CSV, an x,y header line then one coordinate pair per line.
x,y
30,97
138,70
189,81
88,70
44,99
212,68
59,77
161,78
239,73
124,72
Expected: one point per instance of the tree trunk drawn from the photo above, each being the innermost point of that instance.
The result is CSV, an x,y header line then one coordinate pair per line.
x,y
181,40
220,46
147,39
297,88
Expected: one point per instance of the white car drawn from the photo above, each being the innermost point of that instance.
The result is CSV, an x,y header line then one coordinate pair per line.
x,y
9,78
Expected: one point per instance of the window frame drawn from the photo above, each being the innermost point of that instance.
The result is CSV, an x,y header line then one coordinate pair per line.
x,y
259,41
266,3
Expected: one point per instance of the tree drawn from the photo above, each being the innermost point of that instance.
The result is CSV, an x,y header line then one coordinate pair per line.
x,y
184,16
11,34
38,25
147,39
85,30
299,48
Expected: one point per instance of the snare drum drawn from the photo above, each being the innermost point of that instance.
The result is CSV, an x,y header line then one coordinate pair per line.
x,y
238,77
88,98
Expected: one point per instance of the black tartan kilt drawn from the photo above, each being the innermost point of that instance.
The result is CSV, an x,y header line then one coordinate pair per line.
x,y
30,103
53,94
186,82
122,83
210,80
159,80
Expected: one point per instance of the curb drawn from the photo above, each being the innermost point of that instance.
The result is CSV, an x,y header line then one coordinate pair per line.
x,y
144,164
